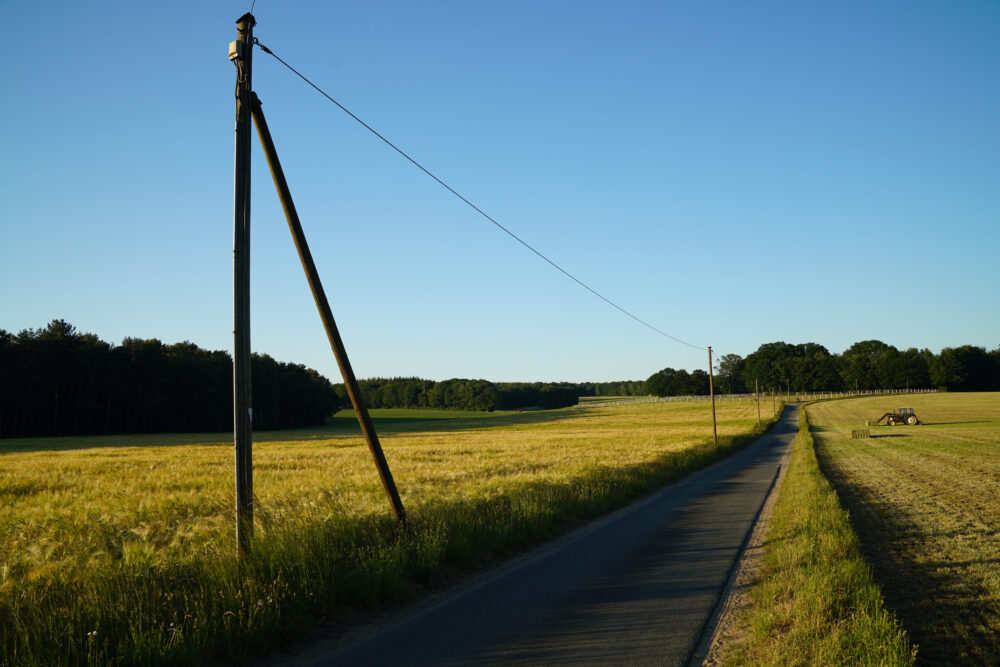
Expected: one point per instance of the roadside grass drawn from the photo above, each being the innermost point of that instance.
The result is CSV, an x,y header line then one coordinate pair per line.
x,y
925,503
814,601
121,550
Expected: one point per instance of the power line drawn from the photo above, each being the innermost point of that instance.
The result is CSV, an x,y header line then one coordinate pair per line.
x,y
473,206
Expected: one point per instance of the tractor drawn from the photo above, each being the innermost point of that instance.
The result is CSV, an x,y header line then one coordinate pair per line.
x,y
904,416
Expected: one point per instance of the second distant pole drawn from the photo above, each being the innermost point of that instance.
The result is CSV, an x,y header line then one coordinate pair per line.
x,y
711,392
756,391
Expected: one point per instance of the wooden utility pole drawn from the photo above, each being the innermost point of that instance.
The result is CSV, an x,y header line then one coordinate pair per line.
x,y
319,296
756,392
240,53
711,392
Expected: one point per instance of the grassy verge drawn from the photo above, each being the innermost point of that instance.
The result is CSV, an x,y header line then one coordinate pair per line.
x,y
120,551
815,602
924,502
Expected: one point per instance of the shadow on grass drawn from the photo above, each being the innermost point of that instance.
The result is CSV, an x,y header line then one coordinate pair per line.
x,y
978,421
947,616
75,442
341,424
345,423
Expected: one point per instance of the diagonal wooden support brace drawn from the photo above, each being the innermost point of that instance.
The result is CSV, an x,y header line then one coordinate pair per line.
x,y
350,382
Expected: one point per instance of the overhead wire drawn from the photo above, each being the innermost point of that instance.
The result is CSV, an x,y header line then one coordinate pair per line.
x,y
473,206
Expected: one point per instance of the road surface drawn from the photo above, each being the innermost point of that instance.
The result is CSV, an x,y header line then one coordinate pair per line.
x,y
635,588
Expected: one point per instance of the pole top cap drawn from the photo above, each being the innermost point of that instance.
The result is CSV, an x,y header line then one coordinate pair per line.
x,y
247,19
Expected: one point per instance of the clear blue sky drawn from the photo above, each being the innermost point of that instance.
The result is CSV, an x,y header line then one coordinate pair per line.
x,y
734,173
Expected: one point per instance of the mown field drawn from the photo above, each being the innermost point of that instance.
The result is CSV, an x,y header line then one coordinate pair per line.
x,y
120,550
812,599
925,501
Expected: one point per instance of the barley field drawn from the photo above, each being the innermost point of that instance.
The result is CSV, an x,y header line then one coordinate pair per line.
x,y
121,550
925,503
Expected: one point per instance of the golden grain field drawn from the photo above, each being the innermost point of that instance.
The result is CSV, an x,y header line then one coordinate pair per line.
x,y
92,525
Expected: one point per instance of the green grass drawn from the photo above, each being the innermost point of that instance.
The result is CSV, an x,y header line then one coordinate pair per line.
x,y
925,502
388,420
121,550
396,420
584,400
815,601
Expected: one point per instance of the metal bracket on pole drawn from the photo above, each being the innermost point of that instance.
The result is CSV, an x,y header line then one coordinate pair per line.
x,y
332,334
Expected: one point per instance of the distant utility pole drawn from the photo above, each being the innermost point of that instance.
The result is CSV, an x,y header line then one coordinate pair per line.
x,y
711,392
240,52
756,392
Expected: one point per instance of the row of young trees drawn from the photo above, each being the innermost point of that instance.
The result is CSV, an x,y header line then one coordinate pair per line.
x,y
870,364
459,394
617,388
57,381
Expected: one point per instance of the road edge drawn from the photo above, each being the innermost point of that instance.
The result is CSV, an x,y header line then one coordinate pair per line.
x,y
309,651
734,596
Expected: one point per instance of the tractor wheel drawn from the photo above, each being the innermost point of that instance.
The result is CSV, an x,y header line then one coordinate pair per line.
x,y
911,420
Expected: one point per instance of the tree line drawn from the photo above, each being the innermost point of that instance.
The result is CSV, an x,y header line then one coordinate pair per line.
x,y
461,394
866,365
671,382
57,381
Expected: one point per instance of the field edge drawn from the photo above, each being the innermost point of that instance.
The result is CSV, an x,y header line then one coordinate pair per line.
x,y
815,597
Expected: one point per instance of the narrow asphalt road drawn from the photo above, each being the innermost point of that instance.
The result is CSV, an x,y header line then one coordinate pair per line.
x,y
637,587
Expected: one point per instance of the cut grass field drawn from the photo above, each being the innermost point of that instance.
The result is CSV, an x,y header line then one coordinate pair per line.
x,y
814,600
121,550
925,501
